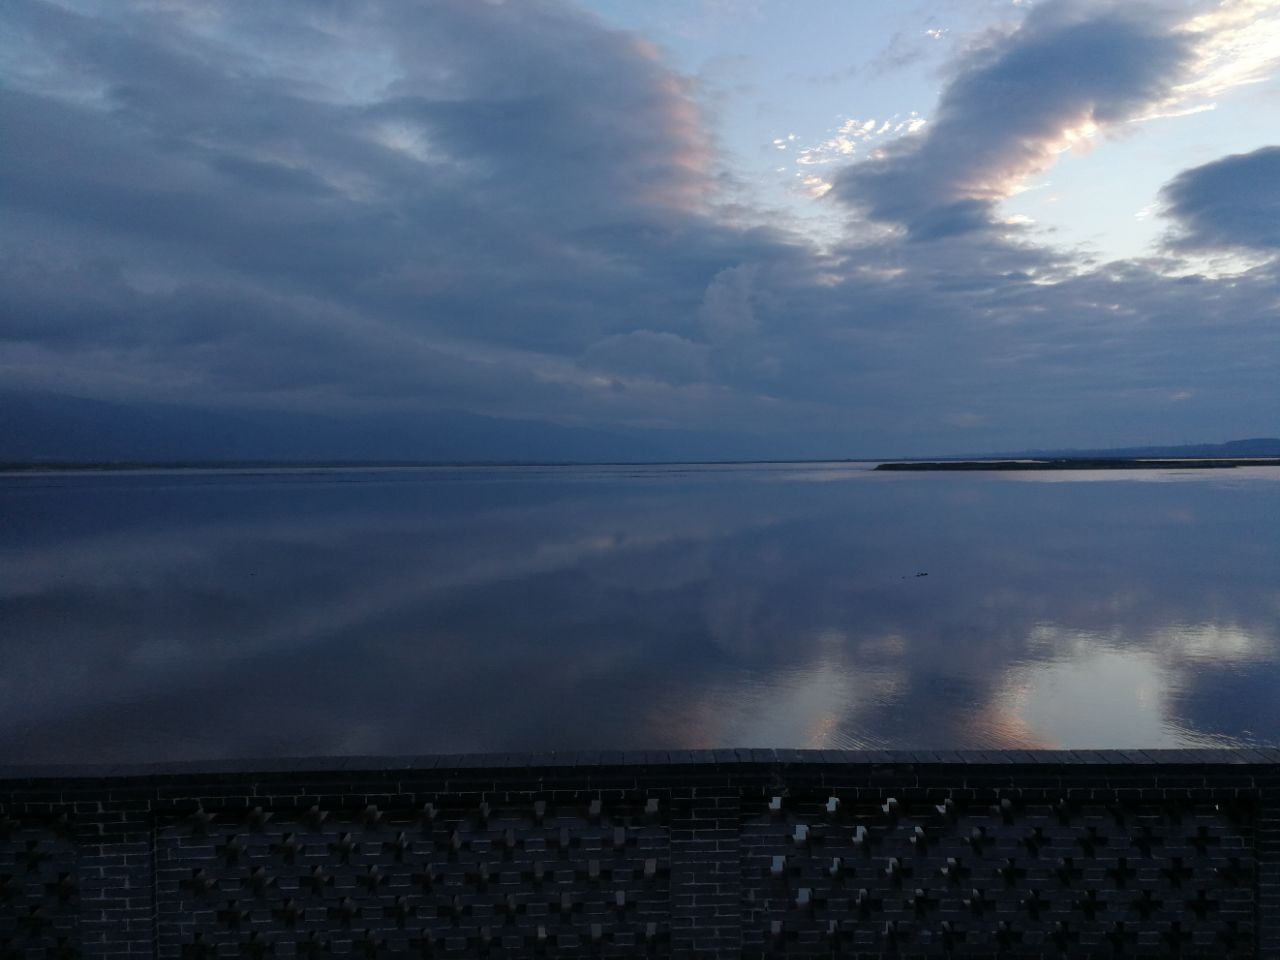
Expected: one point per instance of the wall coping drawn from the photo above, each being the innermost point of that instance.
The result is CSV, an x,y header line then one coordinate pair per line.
x,y
12,774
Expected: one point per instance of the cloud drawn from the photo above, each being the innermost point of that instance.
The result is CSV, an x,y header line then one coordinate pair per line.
x,y
726,310
514,210
469,191
1010,107
647,353
1237,42
854,134
1232,202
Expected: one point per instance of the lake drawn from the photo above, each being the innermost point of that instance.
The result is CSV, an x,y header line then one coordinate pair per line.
x,y
198,615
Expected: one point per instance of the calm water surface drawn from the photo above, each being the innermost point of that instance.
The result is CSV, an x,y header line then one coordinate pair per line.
x,y
209,615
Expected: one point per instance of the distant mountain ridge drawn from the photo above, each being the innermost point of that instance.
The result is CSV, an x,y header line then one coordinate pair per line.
x,y
1253,447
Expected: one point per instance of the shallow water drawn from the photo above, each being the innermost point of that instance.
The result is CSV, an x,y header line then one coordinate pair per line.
x,y
303,612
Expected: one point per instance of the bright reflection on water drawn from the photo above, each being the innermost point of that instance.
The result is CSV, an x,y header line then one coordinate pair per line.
x,y
164,616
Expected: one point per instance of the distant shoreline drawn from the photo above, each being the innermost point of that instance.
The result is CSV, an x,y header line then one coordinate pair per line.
x,y
142,466
1083,464
1063,463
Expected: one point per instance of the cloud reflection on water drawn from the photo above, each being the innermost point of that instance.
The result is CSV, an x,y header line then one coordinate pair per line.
x,y
156,617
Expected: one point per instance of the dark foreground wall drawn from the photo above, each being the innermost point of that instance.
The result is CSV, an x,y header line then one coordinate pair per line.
x,y
708,854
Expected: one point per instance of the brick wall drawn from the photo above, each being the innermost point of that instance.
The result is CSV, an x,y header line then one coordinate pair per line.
x,y
706,854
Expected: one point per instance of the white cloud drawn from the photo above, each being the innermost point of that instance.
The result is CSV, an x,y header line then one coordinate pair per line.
x,y
854,134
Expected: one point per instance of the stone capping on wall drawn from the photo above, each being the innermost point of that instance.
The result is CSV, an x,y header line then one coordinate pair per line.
x,y
10,774
125,838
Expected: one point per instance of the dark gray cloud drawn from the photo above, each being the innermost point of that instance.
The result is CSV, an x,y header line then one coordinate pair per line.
x,y
1009,106
519,177
513,210
1232,202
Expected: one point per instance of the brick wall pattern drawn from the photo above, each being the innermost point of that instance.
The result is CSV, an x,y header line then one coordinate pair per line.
x,y
716,854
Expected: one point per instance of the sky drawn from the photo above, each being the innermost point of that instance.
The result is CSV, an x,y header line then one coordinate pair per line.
x,y
809,227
